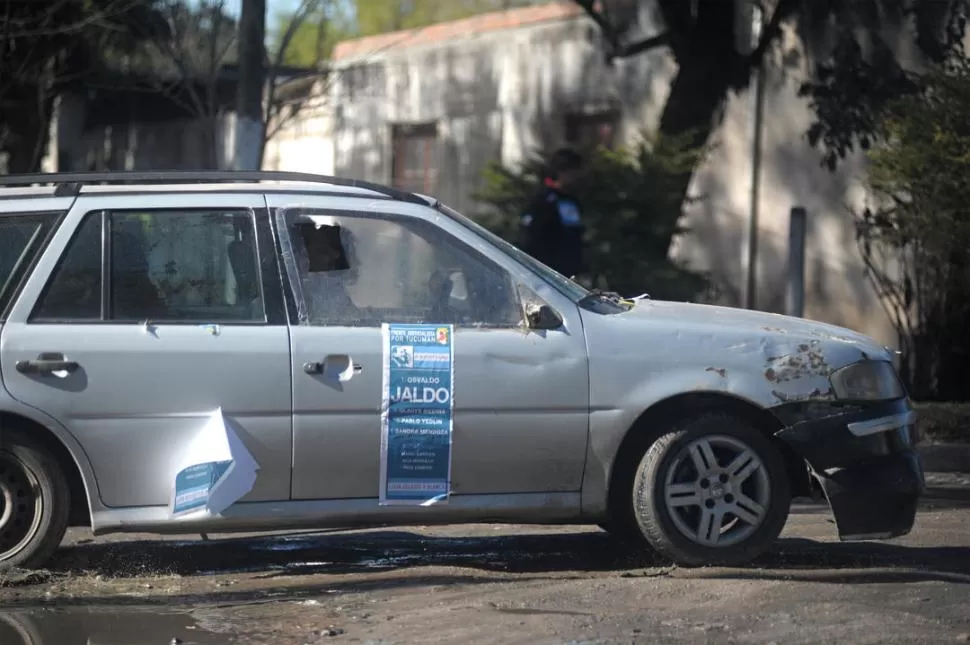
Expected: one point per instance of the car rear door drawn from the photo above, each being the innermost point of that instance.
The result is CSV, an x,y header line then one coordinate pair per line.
x,y
167,307
521,399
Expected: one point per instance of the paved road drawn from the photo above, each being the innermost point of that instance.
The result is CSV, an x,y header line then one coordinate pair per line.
x,y
499,584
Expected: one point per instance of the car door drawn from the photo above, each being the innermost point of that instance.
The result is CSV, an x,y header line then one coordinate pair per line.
x,y
521,398
169,307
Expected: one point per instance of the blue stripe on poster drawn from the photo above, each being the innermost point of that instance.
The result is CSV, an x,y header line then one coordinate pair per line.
x,y
193,485
417,414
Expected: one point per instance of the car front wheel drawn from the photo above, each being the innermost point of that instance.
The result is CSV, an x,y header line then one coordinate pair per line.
x,y
33,502
713,491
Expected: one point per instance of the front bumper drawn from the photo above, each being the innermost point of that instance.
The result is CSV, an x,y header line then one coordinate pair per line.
x,y
866,462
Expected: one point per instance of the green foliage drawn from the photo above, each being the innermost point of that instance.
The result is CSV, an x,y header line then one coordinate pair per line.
x,y
631,204
925,164
317,32
864,70
916,245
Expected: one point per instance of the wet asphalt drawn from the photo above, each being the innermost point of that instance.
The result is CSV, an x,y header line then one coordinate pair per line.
x,y
498,584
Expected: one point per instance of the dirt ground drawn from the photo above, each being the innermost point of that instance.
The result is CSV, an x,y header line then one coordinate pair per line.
x,y
499,584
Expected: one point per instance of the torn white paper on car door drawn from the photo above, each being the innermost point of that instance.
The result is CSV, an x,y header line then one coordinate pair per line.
x,y
216,472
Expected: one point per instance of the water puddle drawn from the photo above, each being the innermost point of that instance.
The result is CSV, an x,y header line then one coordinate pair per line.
x,y
93,626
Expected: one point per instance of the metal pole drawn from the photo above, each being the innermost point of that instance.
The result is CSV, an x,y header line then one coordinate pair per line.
x,y
796,262
751,260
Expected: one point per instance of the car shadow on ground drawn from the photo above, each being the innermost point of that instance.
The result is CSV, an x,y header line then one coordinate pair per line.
x,y
397,558
375,551
274,559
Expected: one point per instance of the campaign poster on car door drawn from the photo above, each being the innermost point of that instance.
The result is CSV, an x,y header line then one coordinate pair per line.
x,y
416,414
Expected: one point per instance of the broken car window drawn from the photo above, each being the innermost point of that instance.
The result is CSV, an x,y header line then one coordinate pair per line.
x,y
361,271
328,269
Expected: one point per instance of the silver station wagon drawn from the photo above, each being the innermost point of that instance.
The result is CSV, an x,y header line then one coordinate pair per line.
x,y
217,352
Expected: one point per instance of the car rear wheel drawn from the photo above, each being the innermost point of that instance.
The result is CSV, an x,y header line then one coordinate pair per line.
x,y
713,491
18,630
33,502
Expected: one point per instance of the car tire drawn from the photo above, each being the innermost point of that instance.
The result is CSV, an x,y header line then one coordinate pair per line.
x,y
712,491
34,502
19,629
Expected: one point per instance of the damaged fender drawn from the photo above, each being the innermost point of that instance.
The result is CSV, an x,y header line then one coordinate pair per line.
x,y
865,461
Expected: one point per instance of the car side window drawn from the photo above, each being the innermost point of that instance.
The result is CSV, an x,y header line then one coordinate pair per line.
x,y
22,238
74,290
164,266
363,270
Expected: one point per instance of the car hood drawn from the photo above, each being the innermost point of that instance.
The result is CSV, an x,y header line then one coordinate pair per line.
x,y
737,321
690,332
665,348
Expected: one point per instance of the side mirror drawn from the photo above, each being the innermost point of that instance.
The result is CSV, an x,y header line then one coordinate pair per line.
x,y
544,317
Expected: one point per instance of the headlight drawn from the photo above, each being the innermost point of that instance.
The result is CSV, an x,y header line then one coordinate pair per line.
x,y
867,381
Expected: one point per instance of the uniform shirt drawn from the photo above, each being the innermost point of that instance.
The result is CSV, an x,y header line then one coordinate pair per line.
x,y
553,231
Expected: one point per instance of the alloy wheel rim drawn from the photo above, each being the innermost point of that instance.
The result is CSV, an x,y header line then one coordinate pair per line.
x,y
21,505
717,491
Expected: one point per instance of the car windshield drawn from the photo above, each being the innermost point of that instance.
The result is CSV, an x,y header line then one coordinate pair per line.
x,y
567,287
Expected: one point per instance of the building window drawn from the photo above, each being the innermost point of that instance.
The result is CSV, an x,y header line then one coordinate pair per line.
x,y
415,158
588,131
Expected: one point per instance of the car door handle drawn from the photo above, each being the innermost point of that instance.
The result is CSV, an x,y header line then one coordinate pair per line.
x,y
47,364
340,366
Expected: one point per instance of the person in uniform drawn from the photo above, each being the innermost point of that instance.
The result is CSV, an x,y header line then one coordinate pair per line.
x,y
552,227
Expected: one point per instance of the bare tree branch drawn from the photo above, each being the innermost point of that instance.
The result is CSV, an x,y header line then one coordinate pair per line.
x,y
283,119
299,17
272,122
615,49
95,18
632,49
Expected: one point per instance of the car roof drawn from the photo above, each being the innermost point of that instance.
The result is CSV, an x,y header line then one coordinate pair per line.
x,y
245,187
74,184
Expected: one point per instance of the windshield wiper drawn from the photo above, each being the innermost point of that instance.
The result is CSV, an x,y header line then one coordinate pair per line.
x,y
611,297
602,293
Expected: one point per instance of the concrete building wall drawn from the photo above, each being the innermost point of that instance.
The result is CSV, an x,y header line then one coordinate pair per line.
x,y
494,95
302,141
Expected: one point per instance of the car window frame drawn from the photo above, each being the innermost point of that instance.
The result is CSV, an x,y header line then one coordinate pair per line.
x,y
11,289
274,311
291,278
566,286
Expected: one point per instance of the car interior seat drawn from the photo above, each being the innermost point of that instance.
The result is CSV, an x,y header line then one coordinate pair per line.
x,y
133,293
244,269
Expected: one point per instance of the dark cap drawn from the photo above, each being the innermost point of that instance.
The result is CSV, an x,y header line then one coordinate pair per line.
x,y
564,159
